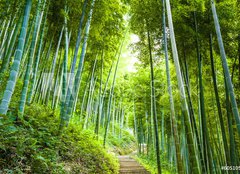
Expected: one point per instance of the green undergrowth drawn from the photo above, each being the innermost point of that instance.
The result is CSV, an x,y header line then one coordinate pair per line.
x,y
33,144
122,143
150,164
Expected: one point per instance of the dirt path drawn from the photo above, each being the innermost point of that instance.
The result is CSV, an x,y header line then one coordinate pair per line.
x,y
129,166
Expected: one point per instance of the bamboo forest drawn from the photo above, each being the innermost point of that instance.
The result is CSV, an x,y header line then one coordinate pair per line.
x,y
119,86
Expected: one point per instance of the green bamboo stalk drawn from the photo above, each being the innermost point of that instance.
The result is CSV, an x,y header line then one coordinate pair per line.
x,y
224,137
141,136
9,51
204,129
99,97
73,65
122,121
192,114
38,84
56,84
44,61
189,99
101,114
113,115
111,95
205,139
38,21
36,63
135,119
51,75
190,138
78,76
162,132
90,105
17,60
230,129
91,89
9,31
64,118
4,39
2,28
84,97
183,146
26,49
225,68
58,94
154,110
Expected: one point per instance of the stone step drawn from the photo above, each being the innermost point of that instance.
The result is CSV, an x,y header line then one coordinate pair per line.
x,y
133,171
126,159
130,166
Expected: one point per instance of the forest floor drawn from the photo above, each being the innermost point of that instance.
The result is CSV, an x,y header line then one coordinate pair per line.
x,y
129,165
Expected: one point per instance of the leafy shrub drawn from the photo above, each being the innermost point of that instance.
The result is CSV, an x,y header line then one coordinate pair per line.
x,y
122,145
34,145
150,163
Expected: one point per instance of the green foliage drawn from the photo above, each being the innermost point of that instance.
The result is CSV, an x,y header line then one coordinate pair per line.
x,y
123,145
149,162
84,153
34,145
17,92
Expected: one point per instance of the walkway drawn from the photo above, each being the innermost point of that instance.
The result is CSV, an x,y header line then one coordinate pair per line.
x,y
130,166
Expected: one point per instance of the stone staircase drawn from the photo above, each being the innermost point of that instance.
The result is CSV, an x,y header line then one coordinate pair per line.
x,y
130,166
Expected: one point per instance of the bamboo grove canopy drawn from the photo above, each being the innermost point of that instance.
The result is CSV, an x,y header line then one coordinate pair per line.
x,y
181,97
